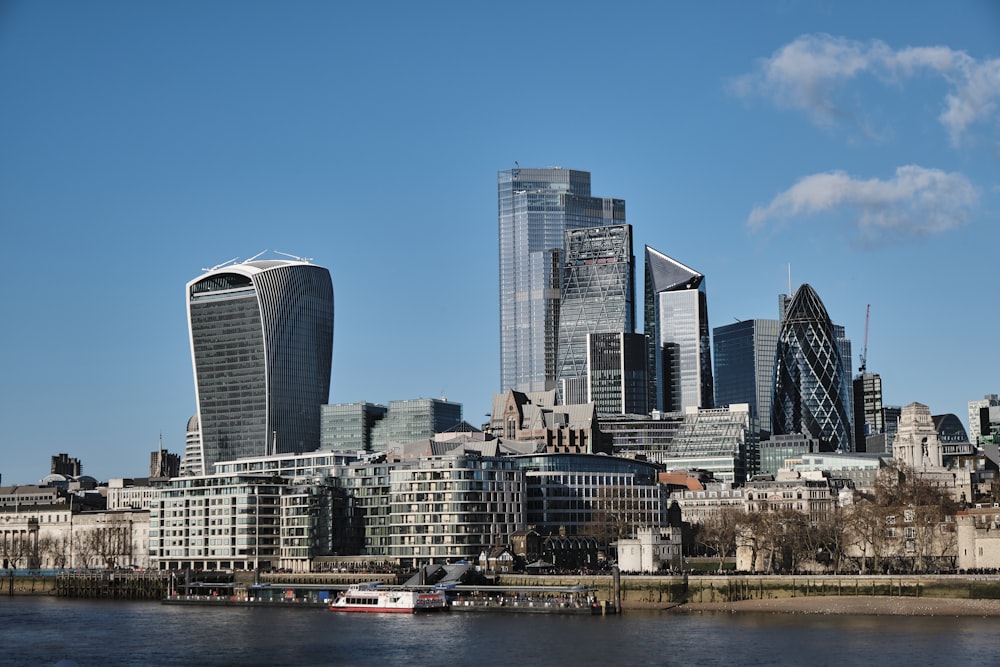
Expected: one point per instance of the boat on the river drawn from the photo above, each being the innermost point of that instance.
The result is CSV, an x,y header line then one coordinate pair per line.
x,y
389,599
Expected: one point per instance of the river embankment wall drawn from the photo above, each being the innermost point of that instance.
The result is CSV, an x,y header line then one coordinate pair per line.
x,y
664,591
633,591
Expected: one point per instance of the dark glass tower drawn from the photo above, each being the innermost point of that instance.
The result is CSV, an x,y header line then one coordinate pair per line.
x,y
744,354
679,356
598,296
261,342
535,208
811,387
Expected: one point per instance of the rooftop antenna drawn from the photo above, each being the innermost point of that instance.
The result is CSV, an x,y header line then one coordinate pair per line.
x,y
255,256
219,266
301,259
789,280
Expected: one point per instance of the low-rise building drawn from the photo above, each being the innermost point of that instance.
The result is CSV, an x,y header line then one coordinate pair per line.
x,y
651,550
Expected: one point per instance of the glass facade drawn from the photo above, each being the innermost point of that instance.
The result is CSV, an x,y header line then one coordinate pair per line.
x,y
417,419
564,491
616,373
679,356
598,296
811,388
348,426
744,354
868,416
718,440
261,340
535,208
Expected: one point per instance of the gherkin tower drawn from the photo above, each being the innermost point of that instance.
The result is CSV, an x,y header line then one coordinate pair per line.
x,y
811,390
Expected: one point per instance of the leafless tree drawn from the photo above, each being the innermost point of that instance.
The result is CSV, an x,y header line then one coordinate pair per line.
x,y
717,534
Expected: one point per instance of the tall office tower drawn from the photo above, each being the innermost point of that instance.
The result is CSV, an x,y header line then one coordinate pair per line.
x,y
868,414
676,322
536,207
598,296
744,354
810,385
261,342
616,374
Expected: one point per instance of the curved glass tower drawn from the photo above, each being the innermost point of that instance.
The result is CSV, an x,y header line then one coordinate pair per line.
x,y
811,390
679,358
261,343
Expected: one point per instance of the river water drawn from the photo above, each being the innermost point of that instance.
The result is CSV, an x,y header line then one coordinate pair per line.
x,y
51,631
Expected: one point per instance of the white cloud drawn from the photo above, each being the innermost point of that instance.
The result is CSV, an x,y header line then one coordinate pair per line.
x,y
807,73
916,202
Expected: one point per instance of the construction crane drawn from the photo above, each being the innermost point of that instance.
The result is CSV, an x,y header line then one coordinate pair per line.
x,y
864,350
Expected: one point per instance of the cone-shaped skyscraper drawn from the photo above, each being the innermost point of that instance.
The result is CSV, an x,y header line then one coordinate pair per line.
x,y
811,390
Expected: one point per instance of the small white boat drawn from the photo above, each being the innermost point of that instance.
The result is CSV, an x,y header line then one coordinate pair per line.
x,y
388,599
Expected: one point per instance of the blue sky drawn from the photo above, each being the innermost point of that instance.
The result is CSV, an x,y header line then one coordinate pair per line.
x,y
857,143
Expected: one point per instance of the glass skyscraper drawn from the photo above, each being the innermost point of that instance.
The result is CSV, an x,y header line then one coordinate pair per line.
x,y
811,386
744,354
598,296
261,342
616,373
679,357
535,208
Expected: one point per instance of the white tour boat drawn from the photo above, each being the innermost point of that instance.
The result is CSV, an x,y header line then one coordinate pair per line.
x,y
388,599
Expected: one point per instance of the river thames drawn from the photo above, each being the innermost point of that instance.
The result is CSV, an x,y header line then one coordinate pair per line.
x,y
52,631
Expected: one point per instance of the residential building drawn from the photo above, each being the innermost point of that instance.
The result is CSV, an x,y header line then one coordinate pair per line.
x,y
535,209
261,342
744,354
811,395
453,507
246,522
679,358
597,297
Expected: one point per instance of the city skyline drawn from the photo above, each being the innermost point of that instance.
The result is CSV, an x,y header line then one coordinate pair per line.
x,y
834,145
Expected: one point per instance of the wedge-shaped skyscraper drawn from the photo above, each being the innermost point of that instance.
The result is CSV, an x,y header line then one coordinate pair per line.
x,y
679,356
261,343
811,388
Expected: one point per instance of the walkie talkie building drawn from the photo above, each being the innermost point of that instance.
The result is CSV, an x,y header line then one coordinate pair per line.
x,y
261,344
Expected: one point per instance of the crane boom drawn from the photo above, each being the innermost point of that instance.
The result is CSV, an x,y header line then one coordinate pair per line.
x,y
864,350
